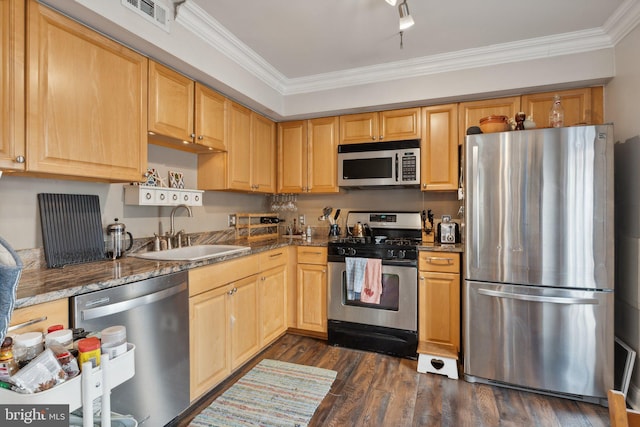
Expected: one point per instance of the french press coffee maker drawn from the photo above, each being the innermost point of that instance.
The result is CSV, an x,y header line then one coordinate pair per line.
x,y
116,242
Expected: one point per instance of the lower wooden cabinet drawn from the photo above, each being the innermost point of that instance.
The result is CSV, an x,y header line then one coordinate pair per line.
x,y
439,302
37,318
243,318
312,289
272,288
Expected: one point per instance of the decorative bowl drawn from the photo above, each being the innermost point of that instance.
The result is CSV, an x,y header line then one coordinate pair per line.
x,y
492,124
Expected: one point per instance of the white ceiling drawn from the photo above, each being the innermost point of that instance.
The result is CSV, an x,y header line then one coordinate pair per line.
x,y
302,38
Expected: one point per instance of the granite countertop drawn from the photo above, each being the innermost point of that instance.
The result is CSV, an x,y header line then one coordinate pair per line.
x,y
41,284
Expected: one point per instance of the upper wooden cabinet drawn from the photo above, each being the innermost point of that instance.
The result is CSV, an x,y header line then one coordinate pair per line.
x,y
308,156
184,114
86,107
581,106
12,45
439,148
470,113
392,125
250,161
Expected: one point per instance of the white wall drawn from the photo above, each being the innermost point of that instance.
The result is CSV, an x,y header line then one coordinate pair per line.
x,y
621,108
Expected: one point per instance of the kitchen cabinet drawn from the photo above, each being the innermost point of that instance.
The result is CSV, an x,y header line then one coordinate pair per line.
x,y
250,161
584,105
470,113
217,320
308,156
312,289
439,303
272,288
38,317
185,114
12,51
86,103
439,162
391,125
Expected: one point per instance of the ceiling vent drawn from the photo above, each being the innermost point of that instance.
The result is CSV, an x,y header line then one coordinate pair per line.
x,y
150,10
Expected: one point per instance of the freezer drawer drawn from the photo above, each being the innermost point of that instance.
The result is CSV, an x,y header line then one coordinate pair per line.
x,y
553,340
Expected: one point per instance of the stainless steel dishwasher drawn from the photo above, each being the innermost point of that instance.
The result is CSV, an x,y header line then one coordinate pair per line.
x,y
156,314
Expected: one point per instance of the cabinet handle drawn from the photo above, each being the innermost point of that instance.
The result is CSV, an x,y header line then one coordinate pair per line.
x,y
381,137
435,260
232,291
193,135
312,253
20,159
27,323
200,137
275,255
373,137
421,277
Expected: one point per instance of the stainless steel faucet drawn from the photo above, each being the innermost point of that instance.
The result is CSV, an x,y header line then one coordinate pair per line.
x,y
172,232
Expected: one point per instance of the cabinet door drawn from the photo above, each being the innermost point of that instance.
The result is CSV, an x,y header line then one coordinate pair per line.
x,y
208,340
439,313
355,128
170,103
322,148
86,101
210,118
273,303
398,125
470,113
312,297
263,152
239,148
245,335
439,148
12,45
292,157
578,104
38,317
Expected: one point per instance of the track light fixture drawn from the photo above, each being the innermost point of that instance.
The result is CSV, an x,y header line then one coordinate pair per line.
x,y
406,20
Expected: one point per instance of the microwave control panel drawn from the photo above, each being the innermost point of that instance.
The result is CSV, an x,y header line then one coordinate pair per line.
x,y
409,167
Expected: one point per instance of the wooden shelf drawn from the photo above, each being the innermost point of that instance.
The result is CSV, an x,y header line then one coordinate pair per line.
x,y
249,226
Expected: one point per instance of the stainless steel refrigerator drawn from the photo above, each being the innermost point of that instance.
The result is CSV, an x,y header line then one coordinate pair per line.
x,y
539,261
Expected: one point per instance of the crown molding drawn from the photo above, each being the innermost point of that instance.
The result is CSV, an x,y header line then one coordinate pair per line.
x,y
202,25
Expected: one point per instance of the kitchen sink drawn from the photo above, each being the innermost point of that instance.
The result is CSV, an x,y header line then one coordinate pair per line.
x,y
193,253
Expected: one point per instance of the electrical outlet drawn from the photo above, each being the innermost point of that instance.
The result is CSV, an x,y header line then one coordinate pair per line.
x,y
301,219
232,220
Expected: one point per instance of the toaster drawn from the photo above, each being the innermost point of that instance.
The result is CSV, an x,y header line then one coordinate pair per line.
x,y
448,232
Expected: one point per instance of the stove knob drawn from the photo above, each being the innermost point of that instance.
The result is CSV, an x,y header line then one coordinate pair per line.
x,y
352,252
390,253
341,251
401,254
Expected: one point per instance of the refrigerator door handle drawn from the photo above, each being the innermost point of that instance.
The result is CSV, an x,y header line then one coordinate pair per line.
x,y
536,298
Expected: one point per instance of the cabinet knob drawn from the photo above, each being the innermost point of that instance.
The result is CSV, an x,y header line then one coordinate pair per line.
x,y
424,185
373,137
200,137
381,137
20,159
193,135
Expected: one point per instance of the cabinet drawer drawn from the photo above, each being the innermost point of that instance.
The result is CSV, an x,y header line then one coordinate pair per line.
x,y
213,276
312,255
442,262
273,258
37,318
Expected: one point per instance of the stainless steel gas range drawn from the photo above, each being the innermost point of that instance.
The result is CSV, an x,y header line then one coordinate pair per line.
x,y
373,283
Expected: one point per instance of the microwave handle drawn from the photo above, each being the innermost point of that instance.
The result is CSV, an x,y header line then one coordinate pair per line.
x,y
396,167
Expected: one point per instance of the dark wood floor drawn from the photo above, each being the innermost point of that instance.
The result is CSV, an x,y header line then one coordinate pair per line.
x,y
377,390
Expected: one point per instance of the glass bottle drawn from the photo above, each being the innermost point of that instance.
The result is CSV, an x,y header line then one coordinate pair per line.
x,y
556,114
8,365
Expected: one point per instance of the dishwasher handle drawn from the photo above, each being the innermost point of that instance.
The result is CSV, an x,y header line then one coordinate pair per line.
x,y
118,307
537,298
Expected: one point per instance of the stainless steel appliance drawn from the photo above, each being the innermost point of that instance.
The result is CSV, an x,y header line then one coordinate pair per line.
x,y
538,289
155,313
389,326
379,164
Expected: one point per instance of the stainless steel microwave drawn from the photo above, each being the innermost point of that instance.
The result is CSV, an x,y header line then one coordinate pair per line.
x,y
379,164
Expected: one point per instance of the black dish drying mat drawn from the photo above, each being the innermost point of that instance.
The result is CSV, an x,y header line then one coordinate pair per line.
x,y
71,228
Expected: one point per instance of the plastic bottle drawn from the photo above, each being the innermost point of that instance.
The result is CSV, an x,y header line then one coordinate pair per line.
x,y
64,337
556,114
27,346
114,341
8,365
89,351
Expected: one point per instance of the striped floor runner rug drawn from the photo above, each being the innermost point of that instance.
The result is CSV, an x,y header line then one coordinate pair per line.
x,y
273,393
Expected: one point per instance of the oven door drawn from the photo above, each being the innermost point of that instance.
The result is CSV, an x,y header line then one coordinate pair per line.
x,y
398,306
